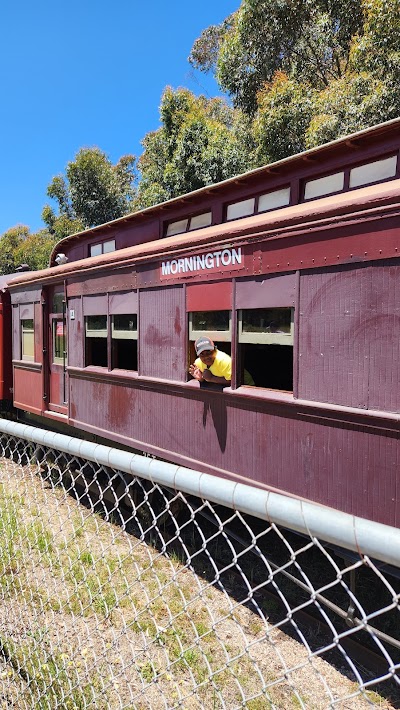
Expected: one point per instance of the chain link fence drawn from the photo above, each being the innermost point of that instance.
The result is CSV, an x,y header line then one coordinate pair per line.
x,y
120,591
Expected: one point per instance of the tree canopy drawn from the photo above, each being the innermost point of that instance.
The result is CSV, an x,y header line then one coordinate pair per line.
x,y
306,71
92,192
19,246
200,141
309,40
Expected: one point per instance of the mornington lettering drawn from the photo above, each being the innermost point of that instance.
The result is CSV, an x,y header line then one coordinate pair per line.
x,y
203,262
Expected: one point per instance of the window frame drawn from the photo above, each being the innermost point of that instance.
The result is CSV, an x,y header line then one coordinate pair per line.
x,y
256,198
123,334
30,331
223,336
188,219
56,360
94,332
347,177
260,338
101,245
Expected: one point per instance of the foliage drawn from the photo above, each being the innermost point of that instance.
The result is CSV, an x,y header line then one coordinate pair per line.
x,y
18,246
200,141
307,39
93,191
349,105
306,71
35,250
377,49
9,244
285,108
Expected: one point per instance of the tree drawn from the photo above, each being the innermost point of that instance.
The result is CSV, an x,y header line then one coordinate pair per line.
x,y
285,108
18,246
368,93
94,191
200,141
377,49
9,244
309,40
348,105
35,250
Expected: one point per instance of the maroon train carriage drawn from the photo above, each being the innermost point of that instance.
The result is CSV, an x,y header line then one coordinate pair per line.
x,y
294,270
6,376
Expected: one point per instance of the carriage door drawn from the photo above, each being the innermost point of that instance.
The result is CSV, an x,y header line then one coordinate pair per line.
x,y
57,351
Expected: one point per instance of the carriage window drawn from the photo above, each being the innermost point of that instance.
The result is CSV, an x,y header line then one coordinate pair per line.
x,y
102,248
58,303
240,209
200,220
273,200
27,339
324,186
59,341
177,227
124,335
189,223
373,172
215,324
265,347
96,341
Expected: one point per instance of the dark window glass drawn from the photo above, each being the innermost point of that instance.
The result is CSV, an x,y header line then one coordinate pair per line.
x,y
96,341
266,320
125,322
58,301
96,323
210,320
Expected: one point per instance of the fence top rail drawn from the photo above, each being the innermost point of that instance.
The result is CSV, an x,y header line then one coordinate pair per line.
x,y
365,537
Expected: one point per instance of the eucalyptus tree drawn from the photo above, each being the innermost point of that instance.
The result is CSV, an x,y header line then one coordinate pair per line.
x,y
93,191
200,141
309,40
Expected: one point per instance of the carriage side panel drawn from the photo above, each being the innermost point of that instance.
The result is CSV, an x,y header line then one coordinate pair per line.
x,y
163,333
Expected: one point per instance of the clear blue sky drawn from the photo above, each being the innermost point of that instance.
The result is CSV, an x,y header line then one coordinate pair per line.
x,y
87,73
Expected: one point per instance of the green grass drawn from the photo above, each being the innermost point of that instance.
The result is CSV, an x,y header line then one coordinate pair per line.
x,y
50,681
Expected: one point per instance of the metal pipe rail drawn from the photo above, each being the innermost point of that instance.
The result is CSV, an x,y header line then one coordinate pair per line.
x,y
365,537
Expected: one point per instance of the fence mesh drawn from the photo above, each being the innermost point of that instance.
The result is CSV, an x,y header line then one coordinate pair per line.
x,y
117,593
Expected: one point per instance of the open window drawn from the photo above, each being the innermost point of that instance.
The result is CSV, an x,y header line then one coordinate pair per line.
x,y
215,324
265,344
188,224
96,340
111,330
124,342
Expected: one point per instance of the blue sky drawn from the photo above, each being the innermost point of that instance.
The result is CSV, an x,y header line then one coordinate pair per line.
x,y
87,73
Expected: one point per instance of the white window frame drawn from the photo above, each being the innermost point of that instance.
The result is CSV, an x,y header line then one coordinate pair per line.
x,y
102,246
123,334
93,332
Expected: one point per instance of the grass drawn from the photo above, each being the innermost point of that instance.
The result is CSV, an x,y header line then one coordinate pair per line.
x,y
81,570
50,681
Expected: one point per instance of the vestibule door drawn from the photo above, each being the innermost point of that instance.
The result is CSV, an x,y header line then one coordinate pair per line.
x,y
57,352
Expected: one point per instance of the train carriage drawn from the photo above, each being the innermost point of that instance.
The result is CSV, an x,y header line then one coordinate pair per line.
x,y
294,270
